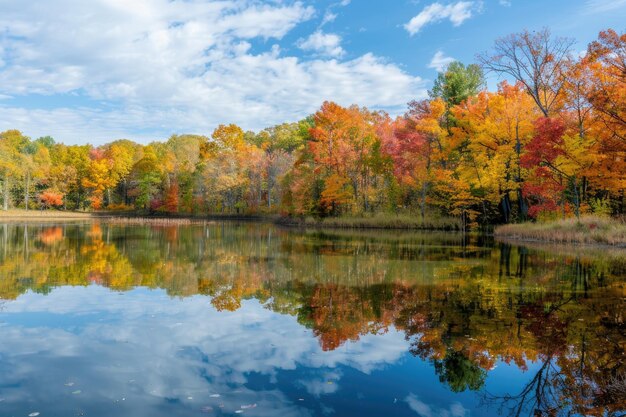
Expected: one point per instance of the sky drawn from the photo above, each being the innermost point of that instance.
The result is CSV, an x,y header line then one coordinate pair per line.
x,y
99,70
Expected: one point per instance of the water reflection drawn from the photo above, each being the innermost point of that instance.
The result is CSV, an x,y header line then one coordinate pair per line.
x,y
161,320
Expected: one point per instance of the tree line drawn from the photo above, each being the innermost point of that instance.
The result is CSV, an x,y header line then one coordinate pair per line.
x,y
549,142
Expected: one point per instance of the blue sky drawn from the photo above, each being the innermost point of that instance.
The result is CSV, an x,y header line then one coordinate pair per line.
x,y
106,69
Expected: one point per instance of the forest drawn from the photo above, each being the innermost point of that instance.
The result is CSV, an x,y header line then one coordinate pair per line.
x,y
549,142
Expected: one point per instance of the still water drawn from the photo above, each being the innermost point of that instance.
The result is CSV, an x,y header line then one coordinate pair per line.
x,y
222,319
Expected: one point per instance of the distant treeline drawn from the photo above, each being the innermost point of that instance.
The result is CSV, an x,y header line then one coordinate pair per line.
x,y
550,143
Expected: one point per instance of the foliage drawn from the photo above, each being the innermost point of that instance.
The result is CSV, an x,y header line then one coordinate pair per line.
x,y
50,198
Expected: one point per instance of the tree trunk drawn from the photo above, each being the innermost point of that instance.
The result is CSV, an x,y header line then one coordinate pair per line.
x,y
576,199
27,191
423,202
5,205
506,207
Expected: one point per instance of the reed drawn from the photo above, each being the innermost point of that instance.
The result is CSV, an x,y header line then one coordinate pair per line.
x,y
377,221
589,230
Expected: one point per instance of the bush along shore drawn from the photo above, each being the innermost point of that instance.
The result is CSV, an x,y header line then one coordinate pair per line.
x,y
586,230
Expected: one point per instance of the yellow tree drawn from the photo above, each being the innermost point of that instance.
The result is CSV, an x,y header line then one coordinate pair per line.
x,y
122,155
98,177
12,142
496,128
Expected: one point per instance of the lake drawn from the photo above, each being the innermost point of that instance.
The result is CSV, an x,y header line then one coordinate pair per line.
x,y
105,319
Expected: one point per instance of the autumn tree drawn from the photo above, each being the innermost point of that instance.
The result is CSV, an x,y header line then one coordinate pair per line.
x,y
344,145
607,95
99,177
496,128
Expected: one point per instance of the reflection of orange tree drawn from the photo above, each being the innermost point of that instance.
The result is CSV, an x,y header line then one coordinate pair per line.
x,y
339,313
51,235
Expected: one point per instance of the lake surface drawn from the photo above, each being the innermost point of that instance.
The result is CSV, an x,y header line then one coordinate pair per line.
x,y
220,319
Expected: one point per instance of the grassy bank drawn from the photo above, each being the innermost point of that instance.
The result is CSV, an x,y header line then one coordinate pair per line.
x,y
378,221
588,230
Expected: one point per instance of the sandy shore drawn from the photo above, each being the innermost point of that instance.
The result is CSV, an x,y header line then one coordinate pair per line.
x,y
42,216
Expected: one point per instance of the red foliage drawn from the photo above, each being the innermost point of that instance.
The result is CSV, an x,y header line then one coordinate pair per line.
x,y
170,199
544,189
51,199
96,154
156,204
546,145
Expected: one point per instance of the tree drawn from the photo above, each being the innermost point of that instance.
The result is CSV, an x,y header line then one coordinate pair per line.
x,y
99,177
345,144
606,58
457,83
69,165
608,91
35,167
231,136
12,142
537,60
122,154
496,128
547,183
336,194
410,153
51,198
146,177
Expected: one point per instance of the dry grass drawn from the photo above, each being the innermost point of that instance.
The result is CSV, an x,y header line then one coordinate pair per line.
x,y
589,230
152,221
378,221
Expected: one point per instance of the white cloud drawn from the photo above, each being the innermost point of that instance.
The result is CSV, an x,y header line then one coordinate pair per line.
x,y
163,67
457,13
328,18
251,90
440,61
603,6
425,410
505,3
327,44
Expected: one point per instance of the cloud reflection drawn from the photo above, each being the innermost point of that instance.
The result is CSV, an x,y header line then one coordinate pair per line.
x,y
143,353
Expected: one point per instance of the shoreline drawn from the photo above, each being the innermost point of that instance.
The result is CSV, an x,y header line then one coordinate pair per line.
x,y
391,222
586,232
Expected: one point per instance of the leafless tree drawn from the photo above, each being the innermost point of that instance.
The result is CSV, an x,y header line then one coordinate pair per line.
x,y
536,59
